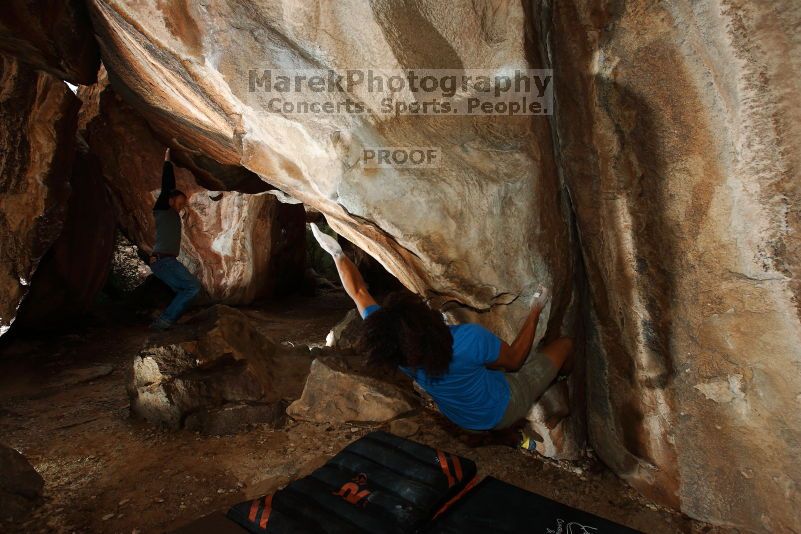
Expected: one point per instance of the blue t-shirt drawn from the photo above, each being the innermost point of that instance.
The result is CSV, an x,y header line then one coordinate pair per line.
x,y
469,394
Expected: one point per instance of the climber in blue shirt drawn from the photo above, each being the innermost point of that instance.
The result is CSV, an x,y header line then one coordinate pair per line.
x,y
477,380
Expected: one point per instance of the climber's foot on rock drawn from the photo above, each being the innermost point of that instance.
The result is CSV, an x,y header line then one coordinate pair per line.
x,y
553,406
528,442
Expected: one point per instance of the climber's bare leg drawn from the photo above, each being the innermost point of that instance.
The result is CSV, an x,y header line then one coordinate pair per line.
x,y
560,353
528,384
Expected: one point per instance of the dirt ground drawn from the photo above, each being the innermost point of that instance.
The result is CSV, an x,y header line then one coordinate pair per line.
x,y
64,405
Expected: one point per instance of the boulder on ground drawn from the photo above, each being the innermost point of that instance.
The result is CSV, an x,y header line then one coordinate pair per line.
x,y
336,394
215,372
20,484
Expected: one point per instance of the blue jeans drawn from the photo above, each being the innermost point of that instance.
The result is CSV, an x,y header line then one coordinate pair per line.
x,y
186,286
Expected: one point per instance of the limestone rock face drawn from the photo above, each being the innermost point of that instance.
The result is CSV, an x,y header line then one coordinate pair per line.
x,y
477,233
334,394
680,143
38,113
74,270
205,374
241,246
52,35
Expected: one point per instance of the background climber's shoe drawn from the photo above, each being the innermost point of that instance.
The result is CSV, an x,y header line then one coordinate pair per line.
x,y
160,325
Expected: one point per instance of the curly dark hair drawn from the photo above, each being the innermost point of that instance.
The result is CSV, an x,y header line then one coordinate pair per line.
x,y
406,332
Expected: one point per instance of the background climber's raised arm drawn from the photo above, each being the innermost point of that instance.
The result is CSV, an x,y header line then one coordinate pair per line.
x,y
352,280
167,183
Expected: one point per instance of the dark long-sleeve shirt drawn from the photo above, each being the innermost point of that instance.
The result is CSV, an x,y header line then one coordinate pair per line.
x,y
168,221
167,185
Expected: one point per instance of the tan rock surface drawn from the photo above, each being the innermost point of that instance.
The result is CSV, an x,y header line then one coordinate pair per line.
x,y
679,140
477,233
38,113
335,394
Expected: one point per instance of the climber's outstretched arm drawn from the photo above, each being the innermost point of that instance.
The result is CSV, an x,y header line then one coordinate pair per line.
x,y
167,183
512,357
352,280
353,283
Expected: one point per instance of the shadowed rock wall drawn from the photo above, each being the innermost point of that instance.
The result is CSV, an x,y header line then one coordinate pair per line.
x,y
74,270
38,113
679,140
52,35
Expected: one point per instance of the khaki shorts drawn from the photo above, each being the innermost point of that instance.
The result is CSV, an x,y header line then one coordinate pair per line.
x,y
526,386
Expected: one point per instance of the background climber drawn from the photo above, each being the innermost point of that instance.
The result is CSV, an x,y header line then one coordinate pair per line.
x,y
164,259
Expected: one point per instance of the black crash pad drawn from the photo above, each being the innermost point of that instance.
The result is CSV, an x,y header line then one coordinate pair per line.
x,y
498,507
379,484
